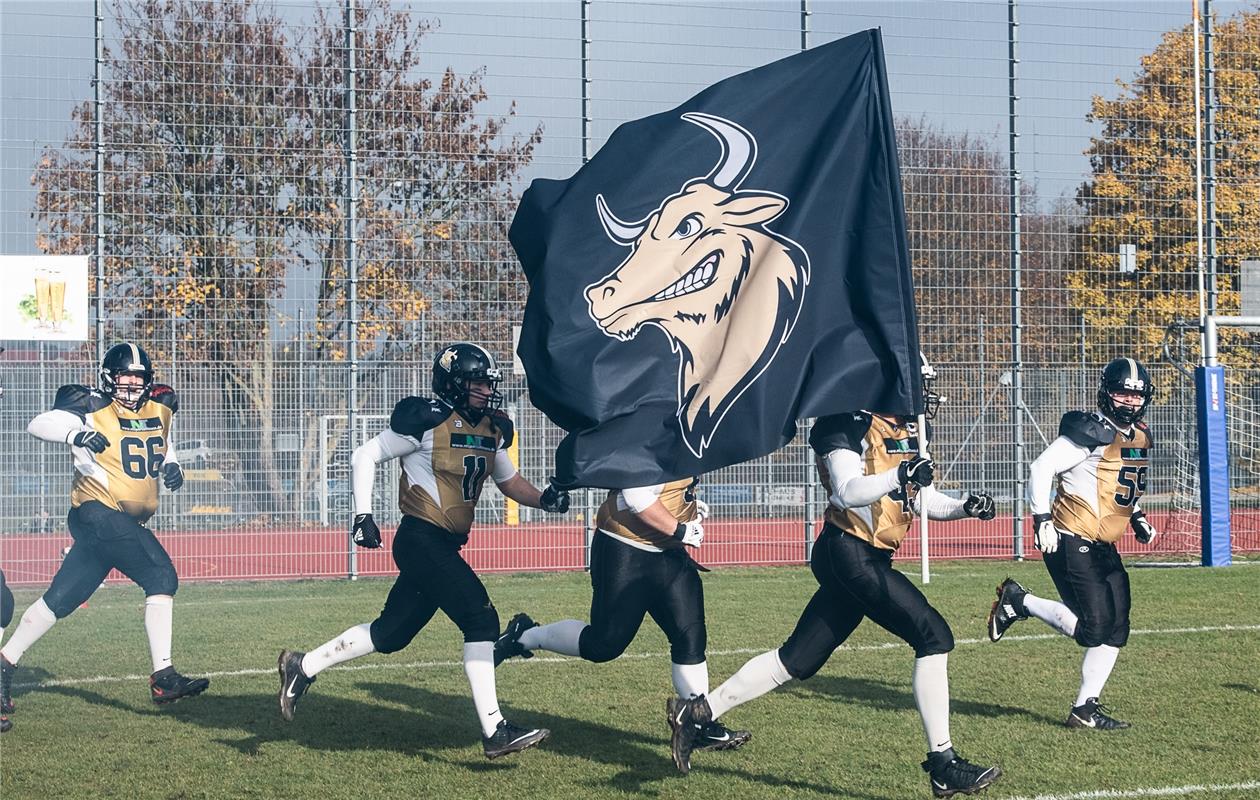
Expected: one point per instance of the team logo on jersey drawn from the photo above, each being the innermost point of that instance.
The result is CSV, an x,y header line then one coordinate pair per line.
x,y
704,269
898,447
1135,453
472,441
146,424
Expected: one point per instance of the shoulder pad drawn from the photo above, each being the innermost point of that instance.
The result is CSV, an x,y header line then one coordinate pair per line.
x,y
79,400
503,422
1144,428
161,393
1086,430
839,431
412,416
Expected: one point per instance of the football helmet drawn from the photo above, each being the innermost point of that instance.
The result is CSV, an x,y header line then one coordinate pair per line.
x,y
126,358
1124,375
457,366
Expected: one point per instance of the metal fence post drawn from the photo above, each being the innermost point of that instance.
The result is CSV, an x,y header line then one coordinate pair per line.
x,y
352,265
1017,354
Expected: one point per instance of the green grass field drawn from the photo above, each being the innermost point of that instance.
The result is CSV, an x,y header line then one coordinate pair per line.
x,y
403,725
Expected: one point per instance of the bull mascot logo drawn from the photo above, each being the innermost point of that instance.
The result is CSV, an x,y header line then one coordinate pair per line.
x,y
705,270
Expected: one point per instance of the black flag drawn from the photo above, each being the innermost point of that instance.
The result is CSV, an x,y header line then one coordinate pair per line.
x,y
718,271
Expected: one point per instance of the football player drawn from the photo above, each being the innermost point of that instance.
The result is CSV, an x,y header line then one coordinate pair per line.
x,y
1098,465
119,435
6,616
876,482
639,566
449,445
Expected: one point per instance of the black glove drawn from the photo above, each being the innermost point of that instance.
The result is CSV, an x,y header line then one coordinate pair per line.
x,y
365,532
917,470
980,505
1143,530
172,476
92,440
554,500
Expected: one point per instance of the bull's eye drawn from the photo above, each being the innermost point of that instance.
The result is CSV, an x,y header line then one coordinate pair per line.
x,y
689,227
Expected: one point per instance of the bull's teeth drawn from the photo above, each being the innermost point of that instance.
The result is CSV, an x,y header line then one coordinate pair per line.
x,y
708,271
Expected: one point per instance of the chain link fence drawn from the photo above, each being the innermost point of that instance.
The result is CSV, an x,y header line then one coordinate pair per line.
x,y
292,227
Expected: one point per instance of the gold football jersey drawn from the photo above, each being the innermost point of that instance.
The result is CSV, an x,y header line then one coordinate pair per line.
x,y
678,497
1096,497
883,445
441,482
125,476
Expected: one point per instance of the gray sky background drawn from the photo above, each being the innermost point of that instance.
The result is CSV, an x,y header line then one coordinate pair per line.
x,y
947,64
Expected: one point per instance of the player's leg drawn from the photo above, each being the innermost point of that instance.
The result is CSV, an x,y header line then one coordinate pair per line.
x,y
865,574
406,611
619,600
6,616
1058,615
1104,593
462,596
79,575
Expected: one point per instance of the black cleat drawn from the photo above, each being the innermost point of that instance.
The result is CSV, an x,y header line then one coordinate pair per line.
x,y
1093,714
293,682
509,644
716,736
5,724
167,686
687,719
1007,609
950,774
509,738
6,686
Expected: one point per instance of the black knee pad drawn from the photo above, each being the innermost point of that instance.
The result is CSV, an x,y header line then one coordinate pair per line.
x,y
599,648
59,602
937,639
1093,630
160,580
687,646
482,626
1119,636
386,638
802,663
6,604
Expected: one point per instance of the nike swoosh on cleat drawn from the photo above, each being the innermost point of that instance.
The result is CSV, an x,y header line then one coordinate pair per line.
x,y
289,691
724,737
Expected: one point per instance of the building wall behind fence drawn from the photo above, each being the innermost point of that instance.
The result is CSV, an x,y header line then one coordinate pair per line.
x,y
225,197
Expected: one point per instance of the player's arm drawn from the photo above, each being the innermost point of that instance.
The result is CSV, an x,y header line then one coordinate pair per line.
x,y
838,440
67,422
1078,436
513,485
655,521
172,472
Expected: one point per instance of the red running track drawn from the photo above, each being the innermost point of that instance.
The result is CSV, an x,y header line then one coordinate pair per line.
x,y
30,559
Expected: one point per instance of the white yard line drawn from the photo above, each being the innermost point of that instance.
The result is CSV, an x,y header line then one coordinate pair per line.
x,y
413,665
1160,791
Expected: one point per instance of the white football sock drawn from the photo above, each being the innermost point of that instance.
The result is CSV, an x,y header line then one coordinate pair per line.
x,y
159,615
479,667
760,674
931,695
559,637
690,679
37,621
1051,612
1095,669
355,642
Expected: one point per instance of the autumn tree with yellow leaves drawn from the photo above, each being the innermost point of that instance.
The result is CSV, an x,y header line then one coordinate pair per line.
x,y
225,202
1142,192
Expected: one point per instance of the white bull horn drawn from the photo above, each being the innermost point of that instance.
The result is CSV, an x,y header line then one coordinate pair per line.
x,y
617,230
739,149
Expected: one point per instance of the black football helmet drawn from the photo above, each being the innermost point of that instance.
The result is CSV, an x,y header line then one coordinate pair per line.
x,y
458,365
931,400
126,358
1124,375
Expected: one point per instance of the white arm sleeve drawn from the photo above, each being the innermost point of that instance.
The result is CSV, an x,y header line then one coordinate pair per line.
x,y
849,487
639,498
56,426
504,469
1060,456
386,446
939,506
170,457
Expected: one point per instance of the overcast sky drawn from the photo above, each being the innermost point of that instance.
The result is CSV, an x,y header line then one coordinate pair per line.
x,y
947,64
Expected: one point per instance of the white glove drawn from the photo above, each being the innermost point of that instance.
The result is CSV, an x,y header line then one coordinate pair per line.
x,y
690,533
702,510
1045,534
1143,530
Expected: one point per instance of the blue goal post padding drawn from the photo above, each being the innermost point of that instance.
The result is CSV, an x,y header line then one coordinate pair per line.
x,y
1209,385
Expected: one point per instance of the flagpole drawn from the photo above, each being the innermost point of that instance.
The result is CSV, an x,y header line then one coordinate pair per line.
x,y
923,517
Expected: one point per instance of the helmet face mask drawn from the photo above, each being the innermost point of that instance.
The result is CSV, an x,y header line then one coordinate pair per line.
x,y
931,399
126,360
1124,376
456,368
